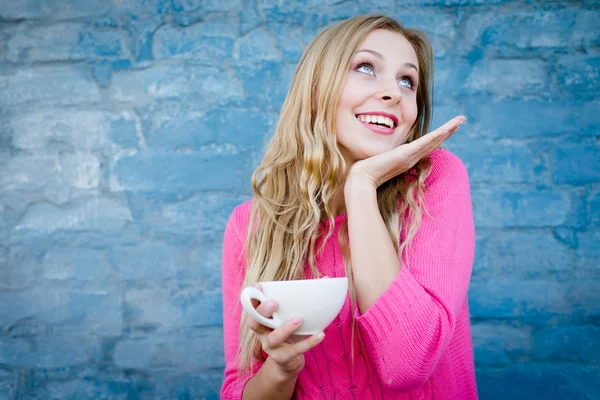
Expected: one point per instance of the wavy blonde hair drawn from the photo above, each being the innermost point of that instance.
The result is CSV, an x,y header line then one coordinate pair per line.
x,y
303,168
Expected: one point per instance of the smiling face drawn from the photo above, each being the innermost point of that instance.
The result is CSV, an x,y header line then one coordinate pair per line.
x,y
380,90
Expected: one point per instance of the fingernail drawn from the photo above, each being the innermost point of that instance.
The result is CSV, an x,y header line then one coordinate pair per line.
x,y
296,321
320,335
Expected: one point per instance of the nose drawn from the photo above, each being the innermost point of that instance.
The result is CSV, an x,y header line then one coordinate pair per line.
x,y
391,92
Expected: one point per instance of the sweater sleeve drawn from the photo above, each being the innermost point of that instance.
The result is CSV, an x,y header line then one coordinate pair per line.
x,y
234,266
408,328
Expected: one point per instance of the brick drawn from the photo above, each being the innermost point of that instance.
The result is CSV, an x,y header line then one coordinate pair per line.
x,y
250,18
593,209
70,129
24,177
529,32
151,308
210,86
502,162
538,381
207,264
498,343
208,5
258,45
134,353
184,224
30,9
77,311
575,163
124,131
88,388
174,129
196,385
8,387
179,173
68,41
180,351
160,308
451,3
207,213
80,170
266,83
519,118
19,268
99,214
439,26
200,308
50,85
520,208
152,260
534,301
291,39
508,78
136,8
48,352
523,255
193,43
567,344
78,264
579,76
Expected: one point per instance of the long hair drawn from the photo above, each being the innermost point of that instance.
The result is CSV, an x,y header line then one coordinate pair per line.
x,y
303,168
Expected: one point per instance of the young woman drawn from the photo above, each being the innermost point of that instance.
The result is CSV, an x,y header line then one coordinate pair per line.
x,y
352,184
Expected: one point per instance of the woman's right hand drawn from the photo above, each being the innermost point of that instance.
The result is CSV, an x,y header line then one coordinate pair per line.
x,y
286,351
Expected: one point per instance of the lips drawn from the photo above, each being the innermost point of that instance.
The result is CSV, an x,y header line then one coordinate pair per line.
x,y
382,130
378,122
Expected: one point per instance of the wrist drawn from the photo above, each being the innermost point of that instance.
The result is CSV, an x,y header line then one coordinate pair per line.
x,y
280,375
359,193
357,183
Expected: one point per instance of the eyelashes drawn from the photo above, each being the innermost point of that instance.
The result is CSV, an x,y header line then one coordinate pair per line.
x,y
371,66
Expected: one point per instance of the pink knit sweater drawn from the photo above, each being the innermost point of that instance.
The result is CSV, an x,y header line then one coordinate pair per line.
x,y
416,337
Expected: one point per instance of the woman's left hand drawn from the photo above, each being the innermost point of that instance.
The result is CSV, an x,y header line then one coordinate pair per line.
x,y
380,168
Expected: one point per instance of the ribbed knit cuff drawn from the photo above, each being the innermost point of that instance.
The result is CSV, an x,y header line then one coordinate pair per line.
x,y
396,311
240,385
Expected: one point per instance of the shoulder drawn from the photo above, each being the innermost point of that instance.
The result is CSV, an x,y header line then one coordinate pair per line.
x,y
237,226
447,168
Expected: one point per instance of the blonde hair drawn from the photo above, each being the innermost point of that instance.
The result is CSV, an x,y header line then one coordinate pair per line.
x,y
303,168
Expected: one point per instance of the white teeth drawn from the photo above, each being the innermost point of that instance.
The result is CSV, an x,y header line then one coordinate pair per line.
x,y
379,119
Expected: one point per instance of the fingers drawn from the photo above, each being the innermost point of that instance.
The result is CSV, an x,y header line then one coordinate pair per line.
x,y
281,334
305,345
284,354
265,309
434,139
451,126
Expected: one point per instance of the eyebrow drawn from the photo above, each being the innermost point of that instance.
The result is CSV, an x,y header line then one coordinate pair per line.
x,y
380,56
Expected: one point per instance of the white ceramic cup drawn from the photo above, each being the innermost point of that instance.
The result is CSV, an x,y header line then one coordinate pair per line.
x,y
317,301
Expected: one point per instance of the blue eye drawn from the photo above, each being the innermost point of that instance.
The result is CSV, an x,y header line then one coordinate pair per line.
x,y
407,82
365,65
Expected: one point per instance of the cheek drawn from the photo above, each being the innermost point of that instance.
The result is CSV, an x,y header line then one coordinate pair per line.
x,y
411,112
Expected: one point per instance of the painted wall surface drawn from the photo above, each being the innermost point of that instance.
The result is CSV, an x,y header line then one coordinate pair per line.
x,y
129,130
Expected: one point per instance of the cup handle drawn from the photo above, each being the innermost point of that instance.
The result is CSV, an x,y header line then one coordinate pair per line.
x,y
246,297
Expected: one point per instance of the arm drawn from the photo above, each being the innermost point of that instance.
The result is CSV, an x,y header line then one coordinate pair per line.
x,y
275,379
409,324
270,384
233,267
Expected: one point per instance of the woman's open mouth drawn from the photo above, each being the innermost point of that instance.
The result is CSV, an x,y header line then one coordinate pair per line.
x,y
378,123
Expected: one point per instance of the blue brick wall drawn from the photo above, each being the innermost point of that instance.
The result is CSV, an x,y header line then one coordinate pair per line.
x,y
129,130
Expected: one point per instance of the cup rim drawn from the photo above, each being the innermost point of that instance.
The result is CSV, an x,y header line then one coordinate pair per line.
x,y
290,281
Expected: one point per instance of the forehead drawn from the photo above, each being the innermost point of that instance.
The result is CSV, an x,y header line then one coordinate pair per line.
x,y
394,47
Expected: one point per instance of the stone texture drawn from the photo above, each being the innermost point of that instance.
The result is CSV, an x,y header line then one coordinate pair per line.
x,y
129,131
